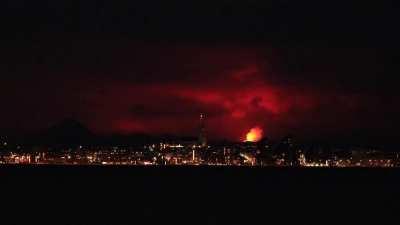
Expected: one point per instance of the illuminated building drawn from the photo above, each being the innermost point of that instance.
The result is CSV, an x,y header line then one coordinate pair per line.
x,y
183,152
286,151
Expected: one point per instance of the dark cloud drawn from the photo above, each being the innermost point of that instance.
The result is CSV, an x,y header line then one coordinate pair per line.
x,y
278,22
172,106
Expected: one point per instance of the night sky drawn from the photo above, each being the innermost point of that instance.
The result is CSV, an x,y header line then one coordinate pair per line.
x,y
320,71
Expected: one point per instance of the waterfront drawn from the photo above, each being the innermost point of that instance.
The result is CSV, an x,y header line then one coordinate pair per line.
x,y
196,195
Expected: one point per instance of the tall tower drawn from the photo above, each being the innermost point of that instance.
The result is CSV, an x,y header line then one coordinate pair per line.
x,y
202,131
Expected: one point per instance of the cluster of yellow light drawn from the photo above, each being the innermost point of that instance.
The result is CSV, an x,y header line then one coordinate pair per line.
x,y
255,134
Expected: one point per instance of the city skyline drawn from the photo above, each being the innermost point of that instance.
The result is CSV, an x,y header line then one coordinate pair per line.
x,y
209,112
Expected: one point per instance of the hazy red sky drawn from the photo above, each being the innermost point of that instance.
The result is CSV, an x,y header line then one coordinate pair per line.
x,y
159,88
125,67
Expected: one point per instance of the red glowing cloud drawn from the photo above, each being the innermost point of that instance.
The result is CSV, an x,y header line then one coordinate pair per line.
x,y
233,101
146,89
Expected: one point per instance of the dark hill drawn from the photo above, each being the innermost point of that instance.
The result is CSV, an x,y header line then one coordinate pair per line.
x,y
67,132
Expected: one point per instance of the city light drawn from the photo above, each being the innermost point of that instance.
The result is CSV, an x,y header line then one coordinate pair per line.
x,y
281,154
250,152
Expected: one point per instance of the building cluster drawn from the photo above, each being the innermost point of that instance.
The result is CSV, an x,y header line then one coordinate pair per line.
x,y
262,153
283,154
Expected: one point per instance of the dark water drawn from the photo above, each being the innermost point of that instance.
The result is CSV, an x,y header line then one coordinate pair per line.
x,y
197,195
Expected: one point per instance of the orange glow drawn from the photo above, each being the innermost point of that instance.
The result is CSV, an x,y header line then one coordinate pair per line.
x,y
255,134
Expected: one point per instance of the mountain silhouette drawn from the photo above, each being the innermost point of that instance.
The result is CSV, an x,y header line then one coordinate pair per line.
x,y
67,132
72,133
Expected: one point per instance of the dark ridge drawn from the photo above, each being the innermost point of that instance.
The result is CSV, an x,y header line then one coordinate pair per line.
x,y
67,132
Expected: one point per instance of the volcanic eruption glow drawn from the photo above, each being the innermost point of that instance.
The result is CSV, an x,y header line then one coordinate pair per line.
x,y
255,134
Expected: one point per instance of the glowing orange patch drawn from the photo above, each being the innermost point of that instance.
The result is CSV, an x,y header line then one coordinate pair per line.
x,y
255,134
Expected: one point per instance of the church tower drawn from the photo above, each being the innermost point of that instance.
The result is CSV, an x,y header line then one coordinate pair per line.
x,y
202,131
